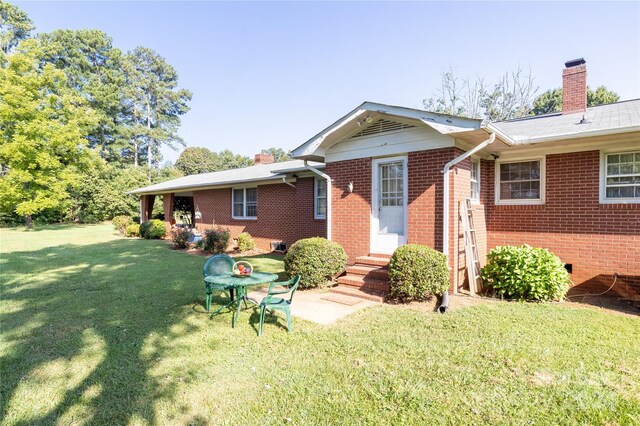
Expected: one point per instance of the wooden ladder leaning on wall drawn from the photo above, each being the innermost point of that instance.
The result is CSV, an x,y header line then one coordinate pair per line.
x,y
471,246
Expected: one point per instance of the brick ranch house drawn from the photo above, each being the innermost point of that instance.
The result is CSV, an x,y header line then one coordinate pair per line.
x,y
567,181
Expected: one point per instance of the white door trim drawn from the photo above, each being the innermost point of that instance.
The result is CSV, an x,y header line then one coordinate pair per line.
x,y
375,199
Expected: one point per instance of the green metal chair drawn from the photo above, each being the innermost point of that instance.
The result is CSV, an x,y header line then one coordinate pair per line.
x,y
219,264
272,303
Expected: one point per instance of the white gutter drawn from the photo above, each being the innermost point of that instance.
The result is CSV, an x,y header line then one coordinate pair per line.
x,y
445,195
575,135
328,178
502,135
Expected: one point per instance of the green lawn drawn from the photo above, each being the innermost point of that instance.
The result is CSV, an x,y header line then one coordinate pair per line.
x,y
98,329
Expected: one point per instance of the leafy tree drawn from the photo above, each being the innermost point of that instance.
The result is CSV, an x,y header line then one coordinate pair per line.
x,y
196,160
548,102
103,193
601,96
279,154
43,125
155,101
510,97
551,100
15,26
94,69
229,160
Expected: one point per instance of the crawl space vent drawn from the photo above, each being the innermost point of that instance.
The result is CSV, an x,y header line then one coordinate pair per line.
x,y
278,246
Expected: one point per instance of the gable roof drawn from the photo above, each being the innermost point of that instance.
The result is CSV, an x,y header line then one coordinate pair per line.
x,y
314,148
255,173
619,117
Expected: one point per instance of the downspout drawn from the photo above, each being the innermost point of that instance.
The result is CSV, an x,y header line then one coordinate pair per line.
x,y
328,178
445,197
445,192
284,180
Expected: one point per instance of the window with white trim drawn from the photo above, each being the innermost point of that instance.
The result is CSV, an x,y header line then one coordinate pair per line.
x,y
244,202
622,176
475,180
320,197
520,182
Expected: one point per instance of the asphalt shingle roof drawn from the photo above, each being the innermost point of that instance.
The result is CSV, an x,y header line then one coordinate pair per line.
x,y
258,172
600,119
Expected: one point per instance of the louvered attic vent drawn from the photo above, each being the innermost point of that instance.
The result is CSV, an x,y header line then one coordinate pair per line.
x,y
382,126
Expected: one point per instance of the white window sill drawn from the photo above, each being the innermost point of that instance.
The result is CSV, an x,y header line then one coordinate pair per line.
x,y
620,201
520,202
320,217
244,218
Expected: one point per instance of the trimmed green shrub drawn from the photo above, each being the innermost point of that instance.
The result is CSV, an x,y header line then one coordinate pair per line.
x,y
153,229
526,273
245,242
216,240
120,223
317,260
417,272
132,230
180,238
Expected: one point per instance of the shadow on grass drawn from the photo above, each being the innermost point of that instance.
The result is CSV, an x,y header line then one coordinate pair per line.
x,y
604,291
51,227
108,298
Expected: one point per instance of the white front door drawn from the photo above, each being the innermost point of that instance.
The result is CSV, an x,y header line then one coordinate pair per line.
x,y
389,204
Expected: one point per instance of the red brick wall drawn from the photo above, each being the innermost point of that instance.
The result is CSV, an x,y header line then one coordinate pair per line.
x,y
596,238
284,213
351,219
574,89
147,206
167,203
352,211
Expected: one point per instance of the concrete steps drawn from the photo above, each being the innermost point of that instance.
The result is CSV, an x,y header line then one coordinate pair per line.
x,y
368,278
361,294
374,272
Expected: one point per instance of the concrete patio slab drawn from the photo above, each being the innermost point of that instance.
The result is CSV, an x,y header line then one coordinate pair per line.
x,y
320,306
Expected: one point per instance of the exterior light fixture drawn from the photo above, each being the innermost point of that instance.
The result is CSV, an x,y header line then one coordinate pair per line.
x,y
350,187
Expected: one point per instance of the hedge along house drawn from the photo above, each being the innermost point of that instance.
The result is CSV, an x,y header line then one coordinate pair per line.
x,y
568,181
277,203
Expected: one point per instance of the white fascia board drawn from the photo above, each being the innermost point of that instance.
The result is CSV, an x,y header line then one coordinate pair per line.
x,y
312,146
299,169
204,186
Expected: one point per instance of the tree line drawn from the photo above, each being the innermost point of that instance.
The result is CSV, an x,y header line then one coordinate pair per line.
x,y
513,95
82,123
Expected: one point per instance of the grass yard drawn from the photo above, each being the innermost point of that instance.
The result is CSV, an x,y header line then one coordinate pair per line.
x,y
98,329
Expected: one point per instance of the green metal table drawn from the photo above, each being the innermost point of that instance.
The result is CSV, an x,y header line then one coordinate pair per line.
x,y
240,285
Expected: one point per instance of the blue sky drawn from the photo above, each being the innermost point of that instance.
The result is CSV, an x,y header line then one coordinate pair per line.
x,y
274,74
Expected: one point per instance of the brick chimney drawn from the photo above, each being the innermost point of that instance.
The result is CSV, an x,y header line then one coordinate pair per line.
x,y
263,158
574,86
